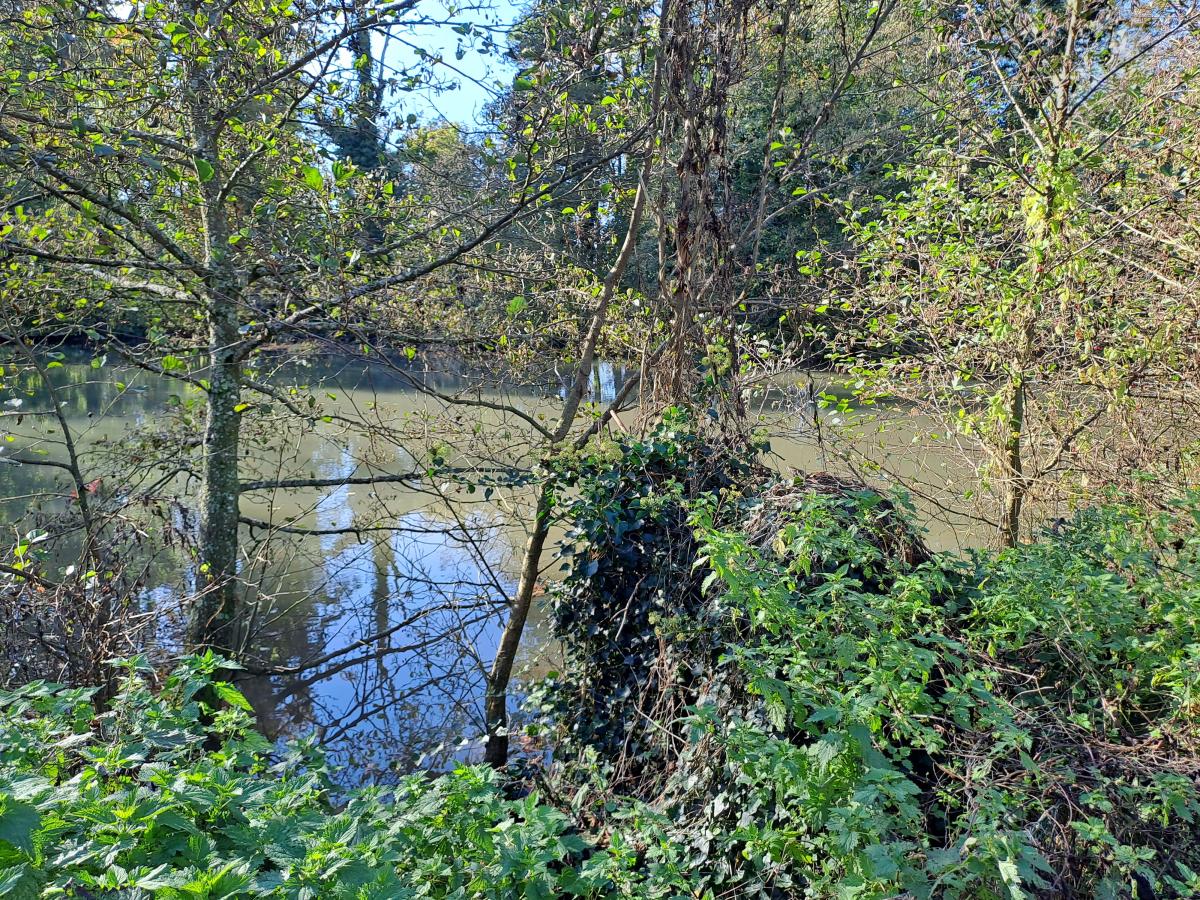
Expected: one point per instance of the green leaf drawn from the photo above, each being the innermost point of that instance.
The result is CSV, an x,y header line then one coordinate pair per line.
x,y
1011,876
18,822
204,170
21,883
231,695
313,178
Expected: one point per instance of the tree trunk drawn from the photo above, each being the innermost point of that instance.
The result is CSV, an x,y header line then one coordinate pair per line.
x,y
1014,476
1042,233
495,752
215,616
496,701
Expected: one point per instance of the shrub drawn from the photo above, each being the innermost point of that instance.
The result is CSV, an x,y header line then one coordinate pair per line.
x,y
1008,725
814,705
843,715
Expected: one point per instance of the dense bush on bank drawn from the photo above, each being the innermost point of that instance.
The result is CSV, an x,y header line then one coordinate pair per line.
x,y
797,701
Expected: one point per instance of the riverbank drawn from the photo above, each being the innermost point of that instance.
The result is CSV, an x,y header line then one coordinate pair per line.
x,y
797,699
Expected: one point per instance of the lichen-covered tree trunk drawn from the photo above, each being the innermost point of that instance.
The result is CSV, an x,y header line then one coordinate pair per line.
x,y
215,615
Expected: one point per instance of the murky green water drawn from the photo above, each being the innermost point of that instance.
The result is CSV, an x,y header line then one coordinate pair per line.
x,y
428,574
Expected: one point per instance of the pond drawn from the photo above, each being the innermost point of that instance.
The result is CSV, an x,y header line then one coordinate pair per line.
x,y
425,562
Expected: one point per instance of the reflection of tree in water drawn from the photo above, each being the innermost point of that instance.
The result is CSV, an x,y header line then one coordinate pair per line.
x,y
428,582
382,704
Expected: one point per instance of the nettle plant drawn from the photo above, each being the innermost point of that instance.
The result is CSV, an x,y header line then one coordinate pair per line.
x,y
166,797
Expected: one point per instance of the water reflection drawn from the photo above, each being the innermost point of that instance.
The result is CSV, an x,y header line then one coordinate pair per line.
x,y
381,702
390,560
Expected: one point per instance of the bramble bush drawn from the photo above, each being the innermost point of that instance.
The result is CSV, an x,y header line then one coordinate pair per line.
x,y
806,703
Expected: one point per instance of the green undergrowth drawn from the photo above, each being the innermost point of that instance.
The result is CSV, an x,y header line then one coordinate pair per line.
x,y
770,690
1021,724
